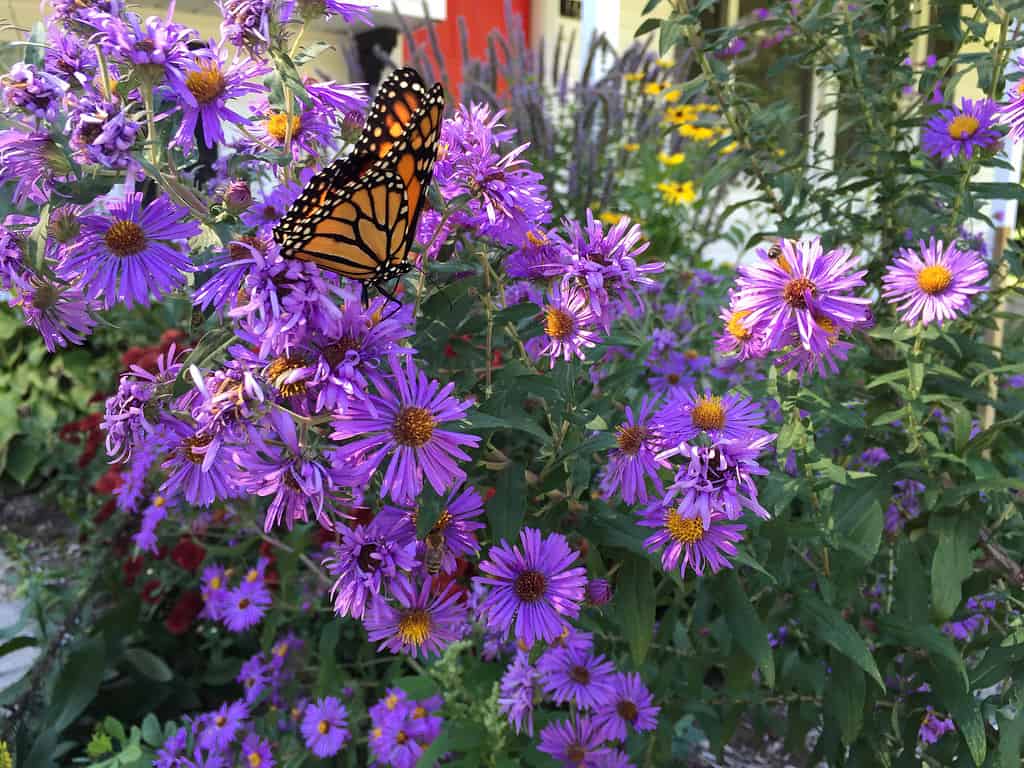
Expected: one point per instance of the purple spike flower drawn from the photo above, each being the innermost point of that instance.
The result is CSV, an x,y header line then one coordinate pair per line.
x,y
534,587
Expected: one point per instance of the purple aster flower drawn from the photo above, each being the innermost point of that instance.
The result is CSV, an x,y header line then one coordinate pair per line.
x,y
256,752
574,743
254,676
629,706
61,313
507,197
267,211
405,425
277,466
672,376
157,48
961,131
246,24
965,629
133,481
614,758
127,419
534,587
35,91
310,130
212,81
325,727
520,689
214,590
687,541
340,102
103,132
634,461
245,605
719,478
191,465
934,726
577,675
365,562
824,361
132,253
569,323
456,526
68,55
422,623
737,336
1012,112
34,162
220,727
599,592
170,754
933,284
536,255
804,290
731,416
309,10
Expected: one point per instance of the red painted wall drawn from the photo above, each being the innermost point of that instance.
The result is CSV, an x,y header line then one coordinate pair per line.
x,y
481,17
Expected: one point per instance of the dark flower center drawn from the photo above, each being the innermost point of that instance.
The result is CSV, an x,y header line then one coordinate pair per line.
x,y
335,353
219,721
579,674
46,296
627,710
401,738
530,586
145,45
237,250
190,444
576,754
206,84
413,427
795,292
278,370
125,238
244,603
366,562
630,439
558,324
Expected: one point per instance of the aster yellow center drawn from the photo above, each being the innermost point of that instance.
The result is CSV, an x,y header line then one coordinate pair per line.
x,y
630,439
215,582
443,521
419,713
278,371
537,238
391,701
685,530
401,738
934,279
414,627
558,324
277,125
323,726
255,761
413,427
962,127
735,325
206,84
708,413
627,710
125,238
795,292
529,586
219,721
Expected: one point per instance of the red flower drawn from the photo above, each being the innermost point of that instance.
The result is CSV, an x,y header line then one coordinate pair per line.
x,y
188,554
131,356
171,336
131,568
184,612
105,512
110,480
150,592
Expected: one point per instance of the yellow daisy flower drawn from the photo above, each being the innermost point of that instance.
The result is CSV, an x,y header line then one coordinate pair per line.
x,y
665,63
674,159
729,148
676,193
631,147
633,77
610,217
673,96
653,89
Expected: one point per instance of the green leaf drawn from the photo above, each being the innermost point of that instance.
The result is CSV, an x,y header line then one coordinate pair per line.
x,y
16,644
745,625
149,665
846,697
962,706
648,25
830,626
209,349
480,420
310,52
22,459
418,687
993,190
671,31
507,508
634,595
151,732
1011,736
928,638
952,563
77,684
432,755
859,516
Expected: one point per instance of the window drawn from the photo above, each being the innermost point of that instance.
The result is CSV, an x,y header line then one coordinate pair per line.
x,y
569,9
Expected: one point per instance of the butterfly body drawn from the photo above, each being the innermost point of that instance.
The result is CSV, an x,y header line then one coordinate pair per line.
x,y
358,216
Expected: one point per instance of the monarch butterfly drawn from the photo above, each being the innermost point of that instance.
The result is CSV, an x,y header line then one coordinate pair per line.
x,y
358,216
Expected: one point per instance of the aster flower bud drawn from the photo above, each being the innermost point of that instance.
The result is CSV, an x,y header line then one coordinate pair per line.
x,y
598,592
237,196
